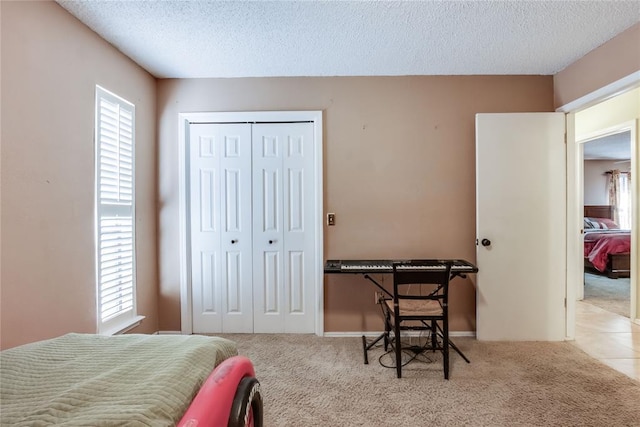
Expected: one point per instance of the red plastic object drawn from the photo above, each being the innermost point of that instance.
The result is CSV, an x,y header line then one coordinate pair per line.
x,y
212,405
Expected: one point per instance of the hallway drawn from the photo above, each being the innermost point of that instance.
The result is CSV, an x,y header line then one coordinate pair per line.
x,y
608,337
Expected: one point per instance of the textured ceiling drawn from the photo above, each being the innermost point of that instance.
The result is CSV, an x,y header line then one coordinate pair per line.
x,y
612,147
186,39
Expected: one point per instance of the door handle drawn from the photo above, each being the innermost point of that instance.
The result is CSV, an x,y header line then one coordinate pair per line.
x,y
234,241
486,242
271,242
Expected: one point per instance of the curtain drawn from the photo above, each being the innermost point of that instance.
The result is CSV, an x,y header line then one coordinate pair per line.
x,y
620,197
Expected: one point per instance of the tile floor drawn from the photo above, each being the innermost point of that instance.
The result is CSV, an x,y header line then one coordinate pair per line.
x,y
608,337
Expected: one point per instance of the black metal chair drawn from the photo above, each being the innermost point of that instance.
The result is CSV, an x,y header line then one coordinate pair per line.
x,y
419,303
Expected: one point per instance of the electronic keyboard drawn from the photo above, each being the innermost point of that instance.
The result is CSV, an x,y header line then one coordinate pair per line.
x,y
458,266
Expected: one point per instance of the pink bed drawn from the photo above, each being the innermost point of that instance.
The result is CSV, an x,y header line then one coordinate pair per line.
x,y
599,244
606,247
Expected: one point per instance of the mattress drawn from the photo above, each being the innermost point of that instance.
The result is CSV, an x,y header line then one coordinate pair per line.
x,y
93,380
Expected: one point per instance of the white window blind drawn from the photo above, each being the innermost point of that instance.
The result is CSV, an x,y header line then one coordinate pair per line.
x,y
116,296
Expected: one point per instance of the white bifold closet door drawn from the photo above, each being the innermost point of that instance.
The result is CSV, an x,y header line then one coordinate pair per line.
x,y
251,227
283,247
220,222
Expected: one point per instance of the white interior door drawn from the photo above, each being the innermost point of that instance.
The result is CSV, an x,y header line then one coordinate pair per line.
x,y
521,210
283,220
220,210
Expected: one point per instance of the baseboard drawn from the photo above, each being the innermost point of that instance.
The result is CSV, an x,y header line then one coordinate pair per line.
x,y
353,334
471,334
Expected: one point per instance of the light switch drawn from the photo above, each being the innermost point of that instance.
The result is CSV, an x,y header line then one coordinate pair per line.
x,y
331,219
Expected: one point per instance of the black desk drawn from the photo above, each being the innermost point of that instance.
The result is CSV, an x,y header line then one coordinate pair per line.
x,y
459,267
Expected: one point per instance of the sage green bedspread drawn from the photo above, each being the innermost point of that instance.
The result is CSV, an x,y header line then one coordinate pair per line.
x,y
93,380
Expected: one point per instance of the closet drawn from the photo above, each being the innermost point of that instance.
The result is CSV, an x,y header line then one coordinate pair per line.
x,y
251,218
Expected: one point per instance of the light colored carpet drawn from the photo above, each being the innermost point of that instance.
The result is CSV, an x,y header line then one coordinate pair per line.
x,y
609,294
314,381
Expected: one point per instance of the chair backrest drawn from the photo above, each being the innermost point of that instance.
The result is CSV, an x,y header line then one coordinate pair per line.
x,y
435,274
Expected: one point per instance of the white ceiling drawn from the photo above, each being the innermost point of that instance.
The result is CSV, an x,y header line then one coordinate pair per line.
x,y
189,39
612,147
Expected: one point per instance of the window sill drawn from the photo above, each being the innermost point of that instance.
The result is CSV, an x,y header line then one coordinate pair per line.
x,y
123,327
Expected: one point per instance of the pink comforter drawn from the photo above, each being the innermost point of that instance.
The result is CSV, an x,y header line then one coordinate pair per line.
x,y
598,246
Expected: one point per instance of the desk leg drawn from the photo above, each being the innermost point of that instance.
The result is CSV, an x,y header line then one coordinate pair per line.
x,y
366,347
440,333
453,346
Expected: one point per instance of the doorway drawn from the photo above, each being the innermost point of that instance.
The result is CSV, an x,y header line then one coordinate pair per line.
x,y
597,115
607,241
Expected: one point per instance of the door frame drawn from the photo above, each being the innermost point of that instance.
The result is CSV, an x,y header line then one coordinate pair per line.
x,y
630,126
574,158
250,117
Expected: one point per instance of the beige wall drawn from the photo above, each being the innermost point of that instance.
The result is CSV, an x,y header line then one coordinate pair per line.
x,y
607,114
596,190
606,64
388,144
50,66
399,155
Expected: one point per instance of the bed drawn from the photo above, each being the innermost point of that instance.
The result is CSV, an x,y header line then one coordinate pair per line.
x,y
135,380
606,247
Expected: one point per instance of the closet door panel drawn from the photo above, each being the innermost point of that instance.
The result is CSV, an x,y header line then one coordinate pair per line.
x,y
298,197
220,227
267,229
204,196
283,209
236,223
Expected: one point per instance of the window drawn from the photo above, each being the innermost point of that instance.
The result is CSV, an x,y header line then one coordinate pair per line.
x,y
620,197
115,213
